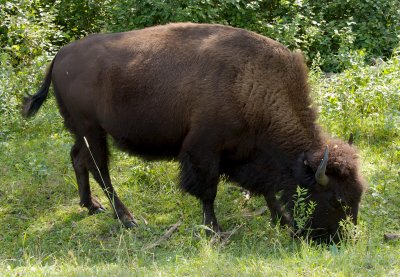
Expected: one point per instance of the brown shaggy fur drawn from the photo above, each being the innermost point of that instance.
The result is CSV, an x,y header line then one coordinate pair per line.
x,y
220,99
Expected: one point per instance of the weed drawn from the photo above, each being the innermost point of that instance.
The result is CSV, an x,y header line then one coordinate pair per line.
x,y
303,210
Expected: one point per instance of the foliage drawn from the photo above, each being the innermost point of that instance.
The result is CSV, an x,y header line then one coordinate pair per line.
x,y
366,99
78,18
332,30
303,209
14,83
142,14
336,30
27,31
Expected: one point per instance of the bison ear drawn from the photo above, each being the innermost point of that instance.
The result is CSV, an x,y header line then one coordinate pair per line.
x,y
351,139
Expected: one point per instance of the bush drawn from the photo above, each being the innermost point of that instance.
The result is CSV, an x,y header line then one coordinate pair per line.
x,y
332,30
27,31
27,35
127,15
364,100
78,18
14,83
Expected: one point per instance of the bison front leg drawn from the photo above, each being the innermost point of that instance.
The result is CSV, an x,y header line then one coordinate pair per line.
x,y
79,161
199,176
209,217
278,215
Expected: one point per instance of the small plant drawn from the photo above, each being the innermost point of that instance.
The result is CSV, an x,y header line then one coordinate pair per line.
x,y
350,233
302,209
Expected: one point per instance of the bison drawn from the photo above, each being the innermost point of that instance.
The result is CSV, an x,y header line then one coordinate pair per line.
x,y
220,100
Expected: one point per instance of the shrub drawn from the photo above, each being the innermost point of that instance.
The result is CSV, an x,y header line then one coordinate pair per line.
x,y
127,15
332,30
14,83
78,18
27,31
364,100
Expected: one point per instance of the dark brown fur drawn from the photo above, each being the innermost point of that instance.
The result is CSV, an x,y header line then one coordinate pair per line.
x,y
219,99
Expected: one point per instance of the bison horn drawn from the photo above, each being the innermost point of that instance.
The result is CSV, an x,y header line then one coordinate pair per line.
x,y
320,175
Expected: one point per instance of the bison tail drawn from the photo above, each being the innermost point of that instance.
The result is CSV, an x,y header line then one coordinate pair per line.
x,y
32,103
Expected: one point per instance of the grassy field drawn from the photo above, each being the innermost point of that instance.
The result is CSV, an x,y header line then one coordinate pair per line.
x,y
43,231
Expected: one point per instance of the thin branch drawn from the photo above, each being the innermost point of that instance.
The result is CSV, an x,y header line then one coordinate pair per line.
x,y
164,237
258,212
223,238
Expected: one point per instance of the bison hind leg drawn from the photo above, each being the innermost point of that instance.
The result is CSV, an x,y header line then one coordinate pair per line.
x,y
93,157
79,161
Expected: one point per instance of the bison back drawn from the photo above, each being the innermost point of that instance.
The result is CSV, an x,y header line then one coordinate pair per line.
x,y
150,88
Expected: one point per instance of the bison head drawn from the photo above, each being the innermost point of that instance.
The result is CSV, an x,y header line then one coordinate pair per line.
x,y
332,177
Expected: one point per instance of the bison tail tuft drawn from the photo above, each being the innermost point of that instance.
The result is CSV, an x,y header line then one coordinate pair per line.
x,y
32,103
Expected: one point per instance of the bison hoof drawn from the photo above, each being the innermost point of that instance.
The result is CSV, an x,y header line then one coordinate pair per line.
x,y
97,210
130,224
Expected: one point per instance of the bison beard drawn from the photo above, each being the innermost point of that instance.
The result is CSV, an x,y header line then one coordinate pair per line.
x,y
221,100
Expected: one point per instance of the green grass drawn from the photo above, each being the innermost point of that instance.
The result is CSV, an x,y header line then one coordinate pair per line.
x,y
43,231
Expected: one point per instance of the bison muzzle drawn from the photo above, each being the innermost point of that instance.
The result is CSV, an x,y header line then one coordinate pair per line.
x,y
220,100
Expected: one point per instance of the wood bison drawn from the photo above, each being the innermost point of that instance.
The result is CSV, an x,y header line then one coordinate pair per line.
x,y
221,100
